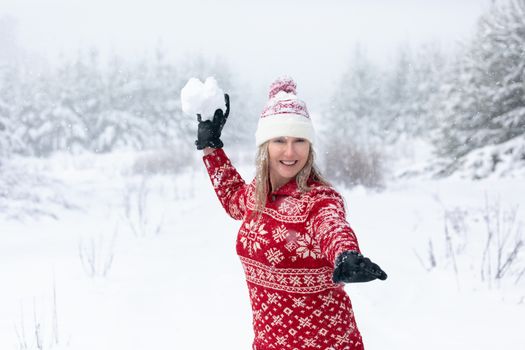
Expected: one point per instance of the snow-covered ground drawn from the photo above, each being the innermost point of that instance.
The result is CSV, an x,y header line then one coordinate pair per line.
x,y
104,276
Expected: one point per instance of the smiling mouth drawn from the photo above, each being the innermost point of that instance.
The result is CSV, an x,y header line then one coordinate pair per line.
x,y
288,162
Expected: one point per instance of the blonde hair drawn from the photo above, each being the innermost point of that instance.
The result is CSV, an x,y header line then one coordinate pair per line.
x,y
262,176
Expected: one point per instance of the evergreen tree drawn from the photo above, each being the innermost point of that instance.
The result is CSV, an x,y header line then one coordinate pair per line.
x,y
85,105
352,129
398,84
158,103
355,107
410,87
429,69
484,103
50,117
10,52
122,125
6,111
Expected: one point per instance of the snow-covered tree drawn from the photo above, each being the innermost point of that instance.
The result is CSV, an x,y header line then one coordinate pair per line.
x,y
430,65
373,109
352,126
484,100
83,104
9,84
6,110
353,113
410,86
398,88
54,109
121,123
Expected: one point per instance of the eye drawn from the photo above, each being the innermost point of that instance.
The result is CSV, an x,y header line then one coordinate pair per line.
x,y
300,140
279,140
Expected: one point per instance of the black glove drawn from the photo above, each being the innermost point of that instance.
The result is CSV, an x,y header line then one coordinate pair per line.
x,y
352,267
209,131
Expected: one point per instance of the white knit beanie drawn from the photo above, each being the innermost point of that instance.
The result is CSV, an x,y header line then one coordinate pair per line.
x,y
284,114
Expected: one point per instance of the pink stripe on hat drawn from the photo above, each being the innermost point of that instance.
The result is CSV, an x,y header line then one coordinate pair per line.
x,y
286,107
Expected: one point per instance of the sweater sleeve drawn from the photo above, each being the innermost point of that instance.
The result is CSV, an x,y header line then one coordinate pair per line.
x,y
227,183
333,232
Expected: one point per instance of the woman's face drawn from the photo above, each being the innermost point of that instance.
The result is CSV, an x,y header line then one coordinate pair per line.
x,y
287,156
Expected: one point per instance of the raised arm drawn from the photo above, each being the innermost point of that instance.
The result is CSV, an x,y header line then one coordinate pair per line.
x,y
228,184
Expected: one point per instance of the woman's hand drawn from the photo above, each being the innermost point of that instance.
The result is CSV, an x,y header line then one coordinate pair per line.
x,y
209,131
352,267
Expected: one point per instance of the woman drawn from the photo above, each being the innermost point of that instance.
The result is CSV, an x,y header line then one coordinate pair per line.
x,y
295,245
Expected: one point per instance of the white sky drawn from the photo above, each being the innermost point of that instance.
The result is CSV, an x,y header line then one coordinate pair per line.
x,y
309,40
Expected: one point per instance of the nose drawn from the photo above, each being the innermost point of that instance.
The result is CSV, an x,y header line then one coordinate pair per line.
x,y
289,150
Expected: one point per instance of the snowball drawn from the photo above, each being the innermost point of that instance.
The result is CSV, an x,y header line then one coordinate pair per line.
x,y
203,99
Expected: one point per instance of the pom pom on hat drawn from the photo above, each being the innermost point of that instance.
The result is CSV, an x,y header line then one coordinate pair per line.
x,y
284,114
285,84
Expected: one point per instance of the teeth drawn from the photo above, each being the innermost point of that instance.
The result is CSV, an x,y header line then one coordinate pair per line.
x,y
289,162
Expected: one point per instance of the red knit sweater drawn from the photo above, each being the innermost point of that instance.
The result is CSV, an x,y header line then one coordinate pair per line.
x,y
288,256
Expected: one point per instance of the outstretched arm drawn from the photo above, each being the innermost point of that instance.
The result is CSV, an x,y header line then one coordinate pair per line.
x,y
330,226
339,242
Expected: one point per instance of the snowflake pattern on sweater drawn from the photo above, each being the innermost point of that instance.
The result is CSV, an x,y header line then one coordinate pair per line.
x,y
288,255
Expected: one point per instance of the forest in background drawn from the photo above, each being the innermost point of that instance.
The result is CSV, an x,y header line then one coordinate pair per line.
x,y
459,102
